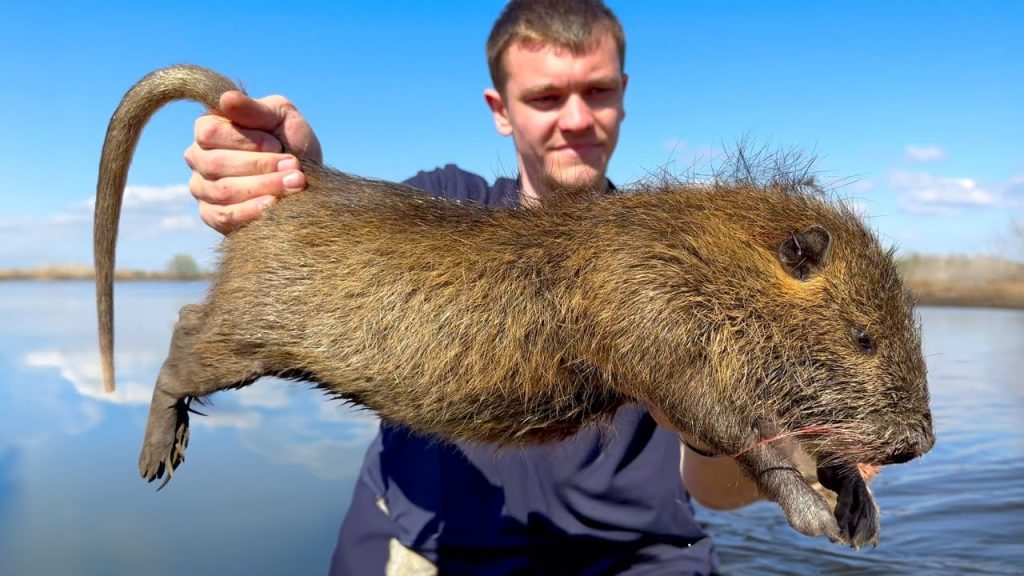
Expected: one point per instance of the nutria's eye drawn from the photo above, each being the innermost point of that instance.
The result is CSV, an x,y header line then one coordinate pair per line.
x,y
864,340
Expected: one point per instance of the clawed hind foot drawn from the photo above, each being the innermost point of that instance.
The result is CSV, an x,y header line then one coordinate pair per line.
x,y
166,440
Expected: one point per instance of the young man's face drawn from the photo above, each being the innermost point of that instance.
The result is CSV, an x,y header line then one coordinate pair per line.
x,y
563,110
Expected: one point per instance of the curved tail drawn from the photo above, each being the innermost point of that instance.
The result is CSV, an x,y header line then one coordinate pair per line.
x,y
182,82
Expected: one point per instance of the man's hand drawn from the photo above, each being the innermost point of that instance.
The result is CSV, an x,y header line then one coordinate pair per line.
x,y
238,163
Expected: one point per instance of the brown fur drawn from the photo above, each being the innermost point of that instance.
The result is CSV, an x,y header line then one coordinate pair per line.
x,y
735,309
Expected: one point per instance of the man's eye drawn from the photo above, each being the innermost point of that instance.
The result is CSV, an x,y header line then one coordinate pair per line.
x,y
544,99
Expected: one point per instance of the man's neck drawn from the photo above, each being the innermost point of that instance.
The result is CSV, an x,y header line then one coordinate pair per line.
x,y
530,194
528,198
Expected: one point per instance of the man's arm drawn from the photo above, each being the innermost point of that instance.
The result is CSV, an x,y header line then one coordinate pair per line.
x,y
716,482
237,160
719,483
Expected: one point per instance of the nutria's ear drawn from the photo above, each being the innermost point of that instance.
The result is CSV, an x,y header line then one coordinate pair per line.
x,y
804,253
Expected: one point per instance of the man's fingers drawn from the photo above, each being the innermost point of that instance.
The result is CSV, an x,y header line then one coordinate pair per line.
x,y
214,132
238,168
265,114
235,189
274,114
221,163
266,125
227,219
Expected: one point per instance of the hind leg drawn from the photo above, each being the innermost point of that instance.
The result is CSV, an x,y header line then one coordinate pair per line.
x,y
183,378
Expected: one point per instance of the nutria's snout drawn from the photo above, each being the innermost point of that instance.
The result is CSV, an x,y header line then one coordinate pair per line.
x,y
916,443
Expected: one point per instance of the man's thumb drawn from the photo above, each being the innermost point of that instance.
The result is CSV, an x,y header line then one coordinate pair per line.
x,y
247,112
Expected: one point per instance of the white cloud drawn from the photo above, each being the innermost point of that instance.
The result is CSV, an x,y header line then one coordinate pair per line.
x,y
157,222
89,415
861,186
687,156
859,208
267,393
1014,190
331,410
924,154
137,196
325,450
173,205
142,196
922,192
184,222
287,424
82,370
69,218
12,223
294,426
221,419
673,144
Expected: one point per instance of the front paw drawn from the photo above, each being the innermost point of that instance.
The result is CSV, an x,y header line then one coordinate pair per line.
x,y
807,511
856,511
810,514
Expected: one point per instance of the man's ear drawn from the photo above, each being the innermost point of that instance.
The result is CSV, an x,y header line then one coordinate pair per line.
x,y
625,82
499,111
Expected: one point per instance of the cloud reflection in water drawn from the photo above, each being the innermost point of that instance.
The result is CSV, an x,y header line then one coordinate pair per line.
x,y
286,423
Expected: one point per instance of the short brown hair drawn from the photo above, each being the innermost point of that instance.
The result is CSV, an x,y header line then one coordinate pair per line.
x,y
572,24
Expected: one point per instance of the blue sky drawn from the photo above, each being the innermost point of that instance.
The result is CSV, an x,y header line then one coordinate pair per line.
x,y
915,104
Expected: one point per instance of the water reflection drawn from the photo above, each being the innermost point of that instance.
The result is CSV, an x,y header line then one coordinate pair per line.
x,y
267,480
280,420
283,421
270,470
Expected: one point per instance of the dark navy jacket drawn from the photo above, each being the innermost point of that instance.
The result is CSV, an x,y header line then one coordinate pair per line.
x,y
606,501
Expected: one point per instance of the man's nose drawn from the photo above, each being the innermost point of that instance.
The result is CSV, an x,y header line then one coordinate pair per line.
x,y
576,115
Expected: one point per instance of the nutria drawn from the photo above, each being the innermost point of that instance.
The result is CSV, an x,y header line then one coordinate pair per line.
x,y
743,313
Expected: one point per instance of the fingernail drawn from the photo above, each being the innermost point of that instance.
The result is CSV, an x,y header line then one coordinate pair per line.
x,y
288,164
267,203
293,182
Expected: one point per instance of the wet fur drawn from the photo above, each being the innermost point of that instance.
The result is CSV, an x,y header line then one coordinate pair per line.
x,y
728,306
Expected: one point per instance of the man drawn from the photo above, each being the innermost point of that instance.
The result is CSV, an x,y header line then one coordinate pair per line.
x,y
600,502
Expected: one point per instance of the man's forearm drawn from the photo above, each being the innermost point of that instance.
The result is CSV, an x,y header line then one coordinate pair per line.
x,y
716,482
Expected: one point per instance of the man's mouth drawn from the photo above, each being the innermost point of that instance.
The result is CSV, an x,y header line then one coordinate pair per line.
x,y
580,147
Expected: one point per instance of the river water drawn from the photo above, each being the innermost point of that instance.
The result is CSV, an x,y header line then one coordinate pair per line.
x,y
270,472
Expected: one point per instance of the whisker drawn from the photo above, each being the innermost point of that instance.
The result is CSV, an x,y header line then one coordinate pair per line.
x,y
805,431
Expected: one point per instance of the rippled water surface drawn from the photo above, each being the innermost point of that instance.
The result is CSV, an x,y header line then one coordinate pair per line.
x,y
270,471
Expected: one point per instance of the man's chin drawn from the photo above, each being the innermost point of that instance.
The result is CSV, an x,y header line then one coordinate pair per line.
x,y
578,182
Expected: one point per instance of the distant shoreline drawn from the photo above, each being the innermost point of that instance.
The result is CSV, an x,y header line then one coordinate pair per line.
x,y
992,295
86,273
995,293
